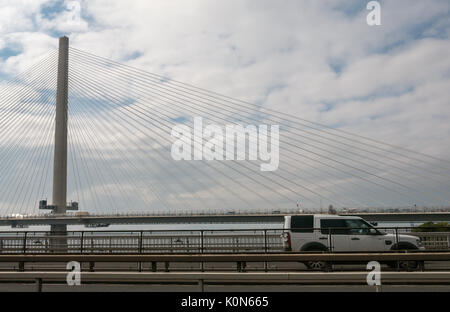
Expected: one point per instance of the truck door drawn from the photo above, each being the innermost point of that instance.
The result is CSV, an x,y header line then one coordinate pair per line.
x,y
362,238
334,233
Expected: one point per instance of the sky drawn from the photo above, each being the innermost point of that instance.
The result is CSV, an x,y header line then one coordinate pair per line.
x,y
318,60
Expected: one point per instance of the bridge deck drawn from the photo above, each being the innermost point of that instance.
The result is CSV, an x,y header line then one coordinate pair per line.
x,y
213,218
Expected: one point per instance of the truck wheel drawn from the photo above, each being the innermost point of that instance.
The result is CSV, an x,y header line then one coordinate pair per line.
x,y
407,265
317,265
404,265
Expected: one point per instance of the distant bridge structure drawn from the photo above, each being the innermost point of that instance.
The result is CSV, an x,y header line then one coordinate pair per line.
x,y
243,218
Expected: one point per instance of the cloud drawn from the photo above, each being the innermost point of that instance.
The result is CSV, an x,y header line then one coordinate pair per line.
x,y
317,60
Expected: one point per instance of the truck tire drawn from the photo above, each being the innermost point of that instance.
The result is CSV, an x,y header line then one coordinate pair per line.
x,y
404,265
316,265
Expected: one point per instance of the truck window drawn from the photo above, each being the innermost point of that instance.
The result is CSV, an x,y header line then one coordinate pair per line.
x,y
334,225
302,224
358,227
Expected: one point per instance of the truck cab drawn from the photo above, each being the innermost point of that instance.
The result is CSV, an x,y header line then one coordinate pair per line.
x,y
318,233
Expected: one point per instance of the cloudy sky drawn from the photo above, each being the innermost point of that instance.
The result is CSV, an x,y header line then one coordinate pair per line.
x,y
318,60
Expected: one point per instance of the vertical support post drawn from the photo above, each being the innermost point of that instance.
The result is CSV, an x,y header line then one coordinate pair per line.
x,y
140,250
201,284
397,248
202,264
38,284
60,153
396,236
25,242
265,248
330,241
201,241
140,241
82,242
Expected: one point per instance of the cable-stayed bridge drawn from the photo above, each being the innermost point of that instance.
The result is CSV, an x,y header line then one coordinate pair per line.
x,y
110,150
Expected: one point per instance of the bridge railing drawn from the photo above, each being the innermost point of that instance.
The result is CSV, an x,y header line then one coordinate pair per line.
x,y
143,241
434,240
169,241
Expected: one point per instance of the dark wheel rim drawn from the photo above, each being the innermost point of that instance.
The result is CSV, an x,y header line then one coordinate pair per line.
x,y
408,264
316,265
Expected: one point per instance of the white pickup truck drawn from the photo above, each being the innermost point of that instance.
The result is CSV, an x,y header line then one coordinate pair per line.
x,y
318,233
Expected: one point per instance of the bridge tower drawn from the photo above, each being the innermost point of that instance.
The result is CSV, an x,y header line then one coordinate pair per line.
x,y
59,199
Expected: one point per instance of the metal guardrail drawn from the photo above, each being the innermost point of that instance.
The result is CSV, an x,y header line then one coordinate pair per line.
x,y
241,260
203,278
259,277
252,257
